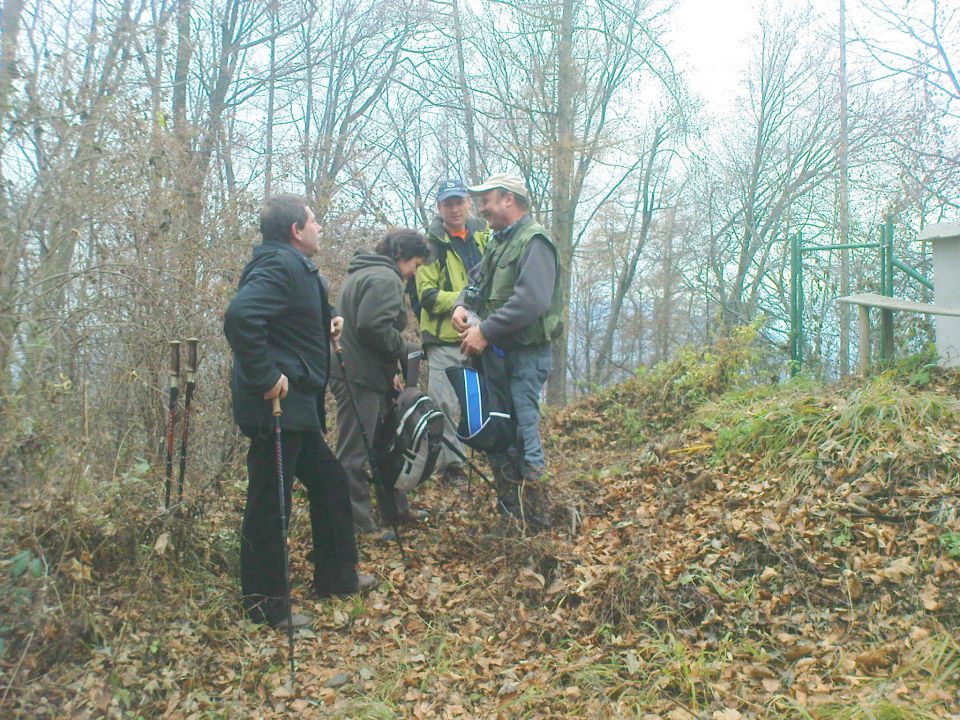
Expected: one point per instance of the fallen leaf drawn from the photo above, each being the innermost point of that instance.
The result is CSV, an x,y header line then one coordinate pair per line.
x,y
899,569
727,714
771,685
160,546
531,580
798,651
930,597
876,658
337,680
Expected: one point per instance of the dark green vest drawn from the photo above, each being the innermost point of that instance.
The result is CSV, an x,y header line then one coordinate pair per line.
x,y
499,277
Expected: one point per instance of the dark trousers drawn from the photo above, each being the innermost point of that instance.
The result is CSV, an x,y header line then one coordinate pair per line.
x,y
307,457
352,451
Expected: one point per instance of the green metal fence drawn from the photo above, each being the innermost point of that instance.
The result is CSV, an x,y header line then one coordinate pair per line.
x,y
888,262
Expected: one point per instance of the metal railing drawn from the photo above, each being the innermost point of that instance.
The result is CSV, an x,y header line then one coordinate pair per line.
x,y
887,265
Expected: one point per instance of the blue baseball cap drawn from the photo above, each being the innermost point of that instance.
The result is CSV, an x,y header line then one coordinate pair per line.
x,y
451,188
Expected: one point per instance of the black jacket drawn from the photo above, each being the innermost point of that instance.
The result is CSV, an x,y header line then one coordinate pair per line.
x,y
374,314
279,321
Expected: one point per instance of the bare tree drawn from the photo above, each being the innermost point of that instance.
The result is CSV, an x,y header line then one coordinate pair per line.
x,y
789,149
10,246
551,105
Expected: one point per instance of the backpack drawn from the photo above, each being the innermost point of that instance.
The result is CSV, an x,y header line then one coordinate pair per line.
x,y
409,440
486,422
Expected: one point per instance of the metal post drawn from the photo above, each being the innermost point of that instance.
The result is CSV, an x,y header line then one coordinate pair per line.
x,y
886,315
890,259
794,255
799,363
796,304
188,398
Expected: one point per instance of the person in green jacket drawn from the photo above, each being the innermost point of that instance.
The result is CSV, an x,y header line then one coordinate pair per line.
x,y
518,297
458,240
374,312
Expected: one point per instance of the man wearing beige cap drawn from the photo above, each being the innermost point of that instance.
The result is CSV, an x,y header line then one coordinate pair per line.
x,y
518,297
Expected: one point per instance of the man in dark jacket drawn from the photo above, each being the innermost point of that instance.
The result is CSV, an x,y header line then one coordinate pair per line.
x,y
375,313
279,326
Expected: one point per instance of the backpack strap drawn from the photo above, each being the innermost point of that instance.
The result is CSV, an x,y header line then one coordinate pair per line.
x,y
442,259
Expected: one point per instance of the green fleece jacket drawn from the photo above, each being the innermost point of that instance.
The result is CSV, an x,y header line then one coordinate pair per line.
x,y
438,287
371,302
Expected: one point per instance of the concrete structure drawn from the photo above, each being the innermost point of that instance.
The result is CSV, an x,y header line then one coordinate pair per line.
x,y
945,241
865,301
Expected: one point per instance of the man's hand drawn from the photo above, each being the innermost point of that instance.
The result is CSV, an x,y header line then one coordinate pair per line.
x,y
459,317
280,389
398,383
472,341
336,327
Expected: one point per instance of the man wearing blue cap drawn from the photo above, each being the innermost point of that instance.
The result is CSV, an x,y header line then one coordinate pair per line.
x,y
458,240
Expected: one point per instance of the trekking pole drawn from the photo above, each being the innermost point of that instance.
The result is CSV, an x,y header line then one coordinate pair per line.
x,y
191,384
278,448
366,443
171,411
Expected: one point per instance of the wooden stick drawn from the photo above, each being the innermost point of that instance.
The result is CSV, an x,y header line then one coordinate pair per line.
x,y
864,329
171,412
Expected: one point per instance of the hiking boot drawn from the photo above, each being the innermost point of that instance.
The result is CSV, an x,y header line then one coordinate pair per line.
x,y
454,476
388,536
412,517
535,502
507,482
365,584
297,620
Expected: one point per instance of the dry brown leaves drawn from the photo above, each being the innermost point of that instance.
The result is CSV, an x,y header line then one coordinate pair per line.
x,y
671,587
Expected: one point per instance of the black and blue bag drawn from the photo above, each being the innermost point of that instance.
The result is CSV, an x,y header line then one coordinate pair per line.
x,y
486,421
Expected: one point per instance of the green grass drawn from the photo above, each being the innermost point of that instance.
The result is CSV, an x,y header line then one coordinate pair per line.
x,y
800,426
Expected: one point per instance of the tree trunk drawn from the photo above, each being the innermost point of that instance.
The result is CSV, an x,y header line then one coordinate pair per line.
x,y
564,208
468,114
10,246
844,357
271,90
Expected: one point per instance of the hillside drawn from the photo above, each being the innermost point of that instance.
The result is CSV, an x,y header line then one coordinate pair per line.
x,y
725,546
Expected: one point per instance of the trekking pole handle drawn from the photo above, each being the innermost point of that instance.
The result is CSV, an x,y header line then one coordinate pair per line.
x,y
277,412
174,362
191,361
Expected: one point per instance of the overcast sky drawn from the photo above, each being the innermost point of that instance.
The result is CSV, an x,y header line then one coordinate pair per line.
x,y
710,38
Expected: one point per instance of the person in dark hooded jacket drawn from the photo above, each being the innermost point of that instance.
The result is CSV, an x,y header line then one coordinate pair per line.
x,y
375,313
279,326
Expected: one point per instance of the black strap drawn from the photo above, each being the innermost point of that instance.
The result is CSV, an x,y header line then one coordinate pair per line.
x,y
442,259
453,448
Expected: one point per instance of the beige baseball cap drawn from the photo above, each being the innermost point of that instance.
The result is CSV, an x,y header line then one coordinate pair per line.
x,y
513,183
